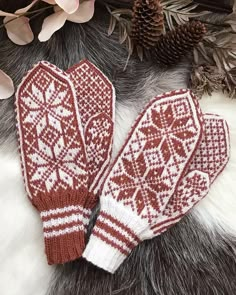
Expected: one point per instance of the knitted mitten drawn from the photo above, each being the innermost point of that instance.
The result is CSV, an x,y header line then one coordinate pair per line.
x,y
96,102
211,158
144,177
53,158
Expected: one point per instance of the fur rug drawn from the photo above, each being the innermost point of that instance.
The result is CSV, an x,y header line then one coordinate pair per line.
x,y
195,257
23,267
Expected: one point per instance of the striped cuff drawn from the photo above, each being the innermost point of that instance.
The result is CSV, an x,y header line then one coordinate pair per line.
x,y
117,231
65,220
64,230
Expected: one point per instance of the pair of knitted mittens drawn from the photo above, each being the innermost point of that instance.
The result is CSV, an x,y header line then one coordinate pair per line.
x,y
171,156
65,125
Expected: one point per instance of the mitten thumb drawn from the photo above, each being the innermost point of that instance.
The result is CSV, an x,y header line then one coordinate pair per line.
x,y
192,188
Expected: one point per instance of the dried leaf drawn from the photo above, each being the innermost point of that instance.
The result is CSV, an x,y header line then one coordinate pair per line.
x,y
234,6
180,12
195,56
140,52
112,25
230,83
202,50
206,79
122,11
217,59
130,45
122,33
6,86
226,39
231,20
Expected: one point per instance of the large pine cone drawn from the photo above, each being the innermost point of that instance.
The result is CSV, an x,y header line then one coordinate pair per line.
x,y
177,43
147,23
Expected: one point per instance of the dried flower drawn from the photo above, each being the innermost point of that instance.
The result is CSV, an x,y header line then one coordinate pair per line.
x,y
69,6
57,20
19,30
17,25
229,83
206,79
6,86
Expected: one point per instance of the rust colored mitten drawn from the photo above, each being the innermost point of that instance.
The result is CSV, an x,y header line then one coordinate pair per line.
x,y
53,158
211,158
96,102
144,177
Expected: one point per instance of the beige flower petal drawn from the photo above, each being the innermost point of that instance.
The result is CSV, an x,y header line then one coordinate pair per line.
x,y
51,24
25,9
3,13
19,30
84,13
69,6
6,86
53,2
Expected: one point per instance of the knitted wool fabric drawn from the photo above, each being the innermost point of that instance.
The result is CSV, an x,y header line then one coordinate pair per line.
x,y
96,102
144,177
211,158
53,158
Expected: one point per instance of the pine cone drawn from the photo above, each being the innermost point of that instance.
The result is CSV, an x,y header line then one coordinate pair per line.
x,y
179,42
147,23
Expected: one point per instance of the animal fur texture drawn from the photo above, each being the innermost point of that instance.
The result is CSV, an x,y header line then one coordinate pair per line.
x,y
195,257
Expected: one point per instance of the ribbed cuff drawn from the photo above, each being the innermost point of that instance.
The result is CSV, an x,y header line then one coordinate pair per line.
x,y
65,247
64,232
65,222
117,231
103,255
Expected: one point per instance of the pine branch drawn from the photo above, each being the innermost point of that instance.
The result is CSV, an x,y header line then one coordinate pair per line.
x,y
180,12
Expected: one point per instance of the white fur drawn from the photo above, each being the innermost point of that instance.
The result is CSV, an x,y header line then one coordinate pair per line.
x,y
23,265
218,209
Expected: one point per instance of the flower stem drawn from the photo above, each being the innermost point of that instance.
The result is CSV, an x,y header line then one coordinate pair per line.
x,y
37,12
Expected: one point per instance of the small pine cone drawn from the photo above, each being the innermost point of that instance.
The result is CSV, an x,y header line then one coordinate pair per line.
x,y
179,42
147,23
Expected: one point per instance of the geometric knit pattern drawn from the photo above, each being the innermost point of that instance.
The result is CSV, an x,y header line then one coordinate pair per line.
x,y
192,188
213,154
211,157
53,158
144,176
52,148
96,103
98,140
155,155
93,89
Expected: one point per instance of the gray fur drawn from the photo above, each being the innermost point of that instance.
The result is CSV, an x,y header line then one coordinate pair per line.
x,y
186,260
